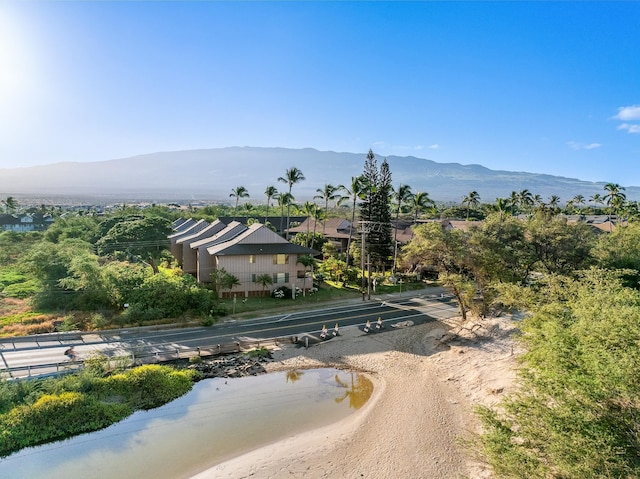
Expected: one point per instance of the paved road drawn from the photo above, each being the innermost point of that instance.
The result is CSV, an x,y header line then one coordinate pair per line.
x,y
34,352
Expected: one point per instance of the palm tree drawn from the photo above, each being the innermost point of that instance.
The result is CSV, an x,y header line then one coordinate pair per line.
x,y
292,176
328,193
10,204
284,199
472,199
578,200
221,279
525,199
614,198
402,195
265,280
501,206
318,215
309,210
419,201
596,199
270,192
237,193
355,191
248,208
514,201
554,204
306,260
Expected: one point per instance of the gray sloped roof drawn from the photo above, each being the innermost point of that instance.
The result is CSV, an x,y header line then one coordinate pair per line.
x,y
265,248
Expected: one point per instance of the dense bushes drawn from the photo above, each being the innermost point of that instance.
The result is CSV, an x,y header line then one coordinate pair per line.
x,y
168,296
148,386
42,411
54,417
576,414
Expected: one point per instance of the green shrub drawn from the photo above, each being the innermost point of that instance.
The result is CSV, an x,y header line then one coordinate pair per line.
x,y
69,323
10,276
23,289
281,292
139,314
55,417
207,321
259,353
149,386
98,321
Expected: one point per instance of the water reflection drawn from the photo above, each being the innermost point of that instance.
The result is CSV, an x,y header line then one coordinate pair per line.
x,y
217,420
358,392
293,375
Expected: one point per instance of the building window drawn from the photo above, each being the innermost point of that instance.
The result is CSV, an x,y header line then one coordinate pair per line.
x,y
280,259
281,278
252,258
302,274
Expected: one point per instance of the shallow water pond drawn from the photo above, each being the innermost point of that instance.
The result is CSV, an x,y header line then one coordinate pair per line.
x,y
218,419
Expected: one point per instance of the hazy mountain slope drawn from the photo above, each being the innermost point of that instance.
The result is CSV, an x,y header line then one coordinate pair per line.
x,y
211,174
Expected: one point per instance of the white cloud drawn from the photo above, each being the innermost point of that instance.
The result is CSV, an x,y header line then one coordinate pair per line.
x,y
379,144
435,146
626,113
574,145
630,128
419,147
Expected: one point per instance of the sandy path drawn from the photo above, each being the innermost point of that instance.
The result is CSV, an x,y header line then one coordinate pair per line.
x,y
424,393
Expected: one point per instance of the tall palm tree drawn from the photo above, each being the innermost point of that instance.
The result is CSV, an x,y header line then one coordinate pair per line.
x,y
614,198
419,202
596,199
578,200
309,210
237,193
471,200
514,201
292,176
401,195
318,215
353,192
270,192
284,199
525,199
501,206
554,204
328,193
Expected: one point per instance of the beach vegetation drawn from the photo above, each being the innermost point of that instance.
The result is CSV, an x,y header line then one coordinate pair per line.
x,y
43,410
576,411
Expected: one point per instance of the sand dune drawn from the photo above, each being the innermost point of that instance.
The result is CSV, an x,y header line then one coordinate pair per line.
x,y
426,380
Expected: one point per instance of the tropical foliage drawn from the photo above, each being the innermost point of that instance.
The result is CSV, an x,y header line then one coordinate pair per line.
x,y
576,413
41,411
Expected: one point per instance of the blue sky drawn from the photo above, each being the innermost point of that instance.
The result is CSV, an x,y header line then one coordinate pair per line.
x,y
542,87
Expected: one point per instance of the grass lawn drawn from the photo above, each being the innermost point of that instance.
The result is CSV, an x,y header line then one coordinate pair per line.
x,y
255,307
329,292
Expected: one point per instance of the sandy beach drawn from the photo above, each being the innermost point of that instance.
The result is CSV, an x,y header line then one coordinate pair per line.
x,y
426,383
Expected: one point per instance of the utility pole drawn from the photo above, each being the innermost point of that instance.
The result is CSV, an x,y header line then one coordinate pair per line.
x,y
368,276
364,236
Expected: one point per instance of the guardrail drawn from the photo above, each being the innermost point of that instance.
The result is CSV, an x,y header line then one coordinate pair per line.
x,y
138,358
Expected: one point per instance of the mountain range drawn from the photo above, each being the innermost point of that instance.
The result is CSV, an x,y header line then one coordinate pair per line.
x,y
209,175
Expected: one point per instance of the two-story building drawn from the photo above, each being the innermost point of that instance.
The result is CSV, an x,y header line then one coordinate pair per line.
x,y
247,252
